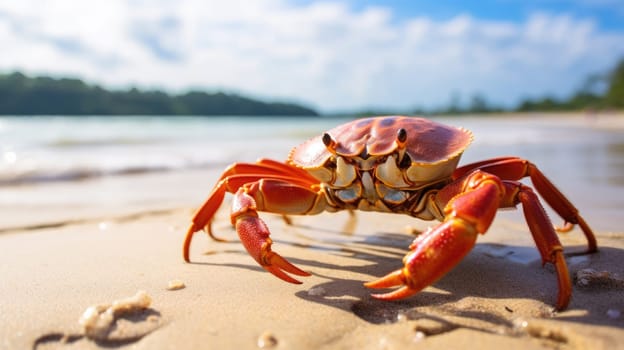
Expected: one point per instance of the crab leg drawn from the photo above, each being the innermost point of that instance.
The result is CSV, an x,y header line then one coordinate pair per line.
x,y
206,212
266,166
512,168
270,168
467,168
438,250
545,238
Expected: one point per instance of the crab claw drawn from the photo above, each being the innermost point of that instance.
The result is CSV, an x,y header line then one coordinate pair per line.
x,y
254,235
393,279
435,253
438,250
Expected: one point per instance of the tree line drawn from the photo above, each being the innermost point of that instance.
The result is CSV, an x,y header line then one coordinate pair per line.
x,y
23,95
599,92
612,96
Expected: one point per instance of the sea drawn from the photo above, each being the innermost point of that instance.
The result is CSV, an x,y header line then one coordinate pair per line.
x,y
50,163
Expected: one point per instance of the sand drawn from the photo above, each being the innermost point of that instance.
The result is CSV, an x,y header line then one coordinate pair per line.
x,y
498,297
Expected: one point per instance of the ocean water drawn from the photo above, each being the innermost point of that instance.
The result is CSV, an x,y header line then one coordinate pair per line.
x,y
47,149
40,157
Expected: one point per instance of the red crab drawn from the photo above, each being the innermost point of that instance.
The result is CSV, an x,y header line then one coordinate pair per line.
x,y
402,165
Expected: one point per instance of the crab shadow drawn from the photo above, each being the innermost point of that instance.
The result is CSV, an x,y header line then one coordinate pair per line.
x,y
490,271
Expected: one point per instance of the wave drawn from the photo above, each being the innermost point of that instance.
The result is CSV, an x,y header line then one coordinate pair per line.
x,y
81,174
78,142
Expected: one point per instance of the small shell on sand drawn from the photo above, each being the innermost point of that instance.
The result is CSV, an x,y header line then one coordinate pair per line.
x,y
175,285
267,340
98,320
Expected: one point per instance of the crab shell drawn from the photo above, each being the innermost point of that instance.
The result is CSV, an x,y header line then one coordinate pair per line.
x,y
373,144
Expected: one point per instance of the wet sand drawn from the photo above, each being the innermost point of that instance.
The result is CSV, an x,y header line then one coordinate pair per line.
x,y
499,296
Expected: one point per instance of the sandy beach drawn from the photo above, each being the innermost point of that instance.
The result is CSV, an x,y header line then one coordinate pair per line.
x,y
499,296
59,260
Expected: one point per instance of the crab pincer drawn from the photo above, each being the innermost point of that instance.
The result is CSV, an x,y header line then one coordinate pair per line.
x,y
438,250
254,235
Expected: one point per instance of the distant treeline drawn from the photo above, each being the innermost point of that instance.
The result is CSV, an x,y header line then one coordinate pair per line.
x,y
22,95
599,92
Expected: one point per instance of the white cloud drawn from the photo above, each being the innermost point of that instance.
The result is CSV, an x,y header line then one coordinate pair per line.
x,y
324,53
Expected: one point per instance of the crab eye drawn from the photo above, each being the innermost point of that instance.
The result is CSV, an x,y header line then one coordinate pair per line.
x,y
405,162
401,137
329,142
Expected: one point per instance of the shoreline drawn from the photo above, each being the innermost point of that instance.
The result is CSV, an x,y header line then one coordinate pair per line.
x,y
34,174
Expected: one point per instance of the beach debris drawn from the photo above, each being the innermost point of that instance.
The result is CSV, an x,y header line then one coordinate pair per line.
x,y
592,278
508,309
267,340
317,291
121,322
175,285
99,322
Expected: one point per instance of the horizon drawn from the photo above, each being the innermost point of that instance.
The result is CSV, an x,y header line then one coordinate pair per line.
x,y
331,56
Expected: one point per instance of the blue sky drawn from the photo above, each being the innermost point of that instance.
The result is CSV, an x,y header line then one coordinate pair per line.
x,y
332,55
608,14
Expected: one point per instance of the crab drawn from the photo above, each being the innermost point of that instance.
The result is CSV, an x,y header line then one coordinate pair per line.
x,y
394,164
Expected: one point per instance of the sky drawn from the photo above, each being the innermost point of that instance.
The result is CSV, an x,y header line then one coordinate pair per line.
x,y
330,55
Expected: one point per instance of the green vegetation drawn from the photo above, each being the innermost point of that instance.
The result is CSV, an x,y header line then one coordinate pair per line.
x,y
615,94
585,99
22,95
